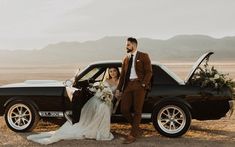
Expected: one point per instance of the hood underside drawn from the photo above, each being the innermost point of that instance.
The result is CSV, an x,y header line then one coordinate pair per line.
x,y
204,57
36,83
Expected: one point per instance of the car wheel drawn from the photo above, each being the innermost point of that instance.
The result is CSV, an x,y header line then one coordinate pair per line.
x,y
171,119
21,116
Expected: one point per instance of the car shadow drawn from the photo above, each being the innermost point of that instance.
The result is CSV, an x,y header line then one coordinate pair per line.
x,y
196,136
150,140
229,134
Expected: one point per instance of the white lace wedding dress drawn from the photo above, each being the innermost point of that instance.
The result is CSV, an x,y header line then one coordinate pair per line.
x,y
94,124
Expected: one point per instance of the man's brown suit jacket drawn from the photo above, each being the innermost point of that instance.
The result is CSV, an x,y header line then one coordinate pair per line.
x,y
143,69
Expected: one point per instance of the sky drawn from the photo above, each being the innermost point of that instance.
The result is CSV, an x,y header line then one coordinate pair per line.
x,y
33,24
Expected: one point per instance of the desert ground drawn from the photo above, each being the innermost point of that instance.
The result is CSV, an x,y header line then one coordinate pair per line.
x,y
214,133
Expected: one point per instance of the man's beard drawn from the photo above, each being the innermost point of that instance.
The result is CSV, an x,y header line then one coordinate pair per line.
x,y
129,50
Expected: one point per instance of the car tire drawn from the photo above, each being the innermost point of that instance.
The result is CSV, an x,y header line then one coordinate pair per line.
x,y
171,118
21,116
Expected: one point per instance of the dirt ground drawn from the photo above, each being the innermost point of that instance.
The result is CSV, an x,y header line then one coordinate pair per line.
x,y
216,133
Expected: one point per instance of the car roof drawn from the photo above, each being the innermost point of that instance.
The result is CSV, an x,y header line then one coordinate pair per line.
x,y
115,62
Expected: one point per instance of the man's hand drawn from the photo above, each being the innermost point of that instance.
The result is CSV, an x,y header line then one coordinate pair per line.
x,y
143,85
118,94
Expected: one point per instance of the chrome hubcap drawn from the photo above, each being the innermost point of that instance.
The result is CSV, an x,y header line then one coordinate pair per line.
x,y
171,119
19,116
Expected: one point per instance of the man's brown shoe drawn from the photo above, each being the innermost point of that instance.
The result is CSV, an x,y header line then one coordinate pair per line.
x,y
129,139
139,134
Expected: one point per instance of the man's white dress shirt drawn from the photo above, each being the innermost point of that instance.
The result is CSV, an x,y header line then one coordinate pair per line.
x,y
133,74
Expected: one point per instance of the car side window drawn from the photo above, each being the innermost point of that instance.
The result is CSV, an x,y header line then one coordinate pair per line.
x,y
91,74
160,77
101,76
106,74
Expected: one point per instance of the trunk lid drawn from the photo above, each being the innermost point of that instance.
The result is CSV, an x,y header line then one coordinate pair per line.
x,y
204,57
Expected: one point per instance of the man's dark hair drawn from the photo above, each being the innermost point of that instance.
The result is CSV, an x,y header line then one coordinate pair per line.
x,y
132,40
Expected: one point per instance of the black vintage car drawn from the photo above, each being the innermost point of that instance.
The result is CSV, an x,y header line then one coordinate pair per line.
x,y
170,104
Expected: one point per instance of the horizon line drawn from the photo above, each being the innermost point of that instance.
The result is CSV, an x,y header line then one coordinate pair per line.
x,y
110,36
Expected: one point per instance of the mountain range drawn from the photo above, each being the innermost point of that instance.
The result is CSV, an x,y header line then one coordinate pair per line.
x,y
176,49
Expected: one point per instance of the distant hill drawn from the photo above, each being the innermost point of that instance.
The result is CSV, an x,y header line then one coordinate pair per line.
x,y
178,48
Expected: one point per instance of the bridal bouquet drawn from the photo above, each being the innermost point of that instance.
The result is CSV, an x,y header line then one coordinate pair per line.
x,y
209,77
103,92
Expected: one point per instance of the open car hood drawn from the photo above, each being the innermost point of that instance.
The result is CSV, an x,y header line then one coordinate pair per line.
x,y
197,64
36,83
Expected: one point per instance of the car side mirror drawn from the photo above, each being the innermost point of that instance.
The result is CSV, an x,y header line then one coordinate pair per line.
x,y
68,83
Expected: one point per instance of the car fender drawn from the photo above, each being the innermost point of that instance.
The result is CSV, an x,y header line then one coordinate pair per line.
x,y
174,99
21,99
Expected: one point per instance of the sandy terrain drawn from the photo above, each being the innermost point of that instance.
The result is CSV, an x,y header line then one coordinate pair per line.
x,y
202,133
215,133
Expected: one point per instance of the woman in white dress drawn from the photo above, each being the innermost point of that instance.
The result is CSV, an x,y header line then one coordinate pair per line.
x,y
95,118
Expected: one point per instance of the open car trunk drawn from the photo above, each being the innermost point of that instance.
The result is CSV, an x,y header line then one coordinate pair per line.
x,y
213,103
204,57
210,93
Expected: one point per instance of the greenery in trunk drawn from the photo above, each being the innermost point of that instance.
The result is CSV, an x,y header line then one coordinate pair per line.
x,y
208,77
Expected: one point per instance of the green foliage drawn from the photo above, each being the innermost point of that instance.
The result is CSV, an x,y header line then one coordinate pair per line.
x,y
209,77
